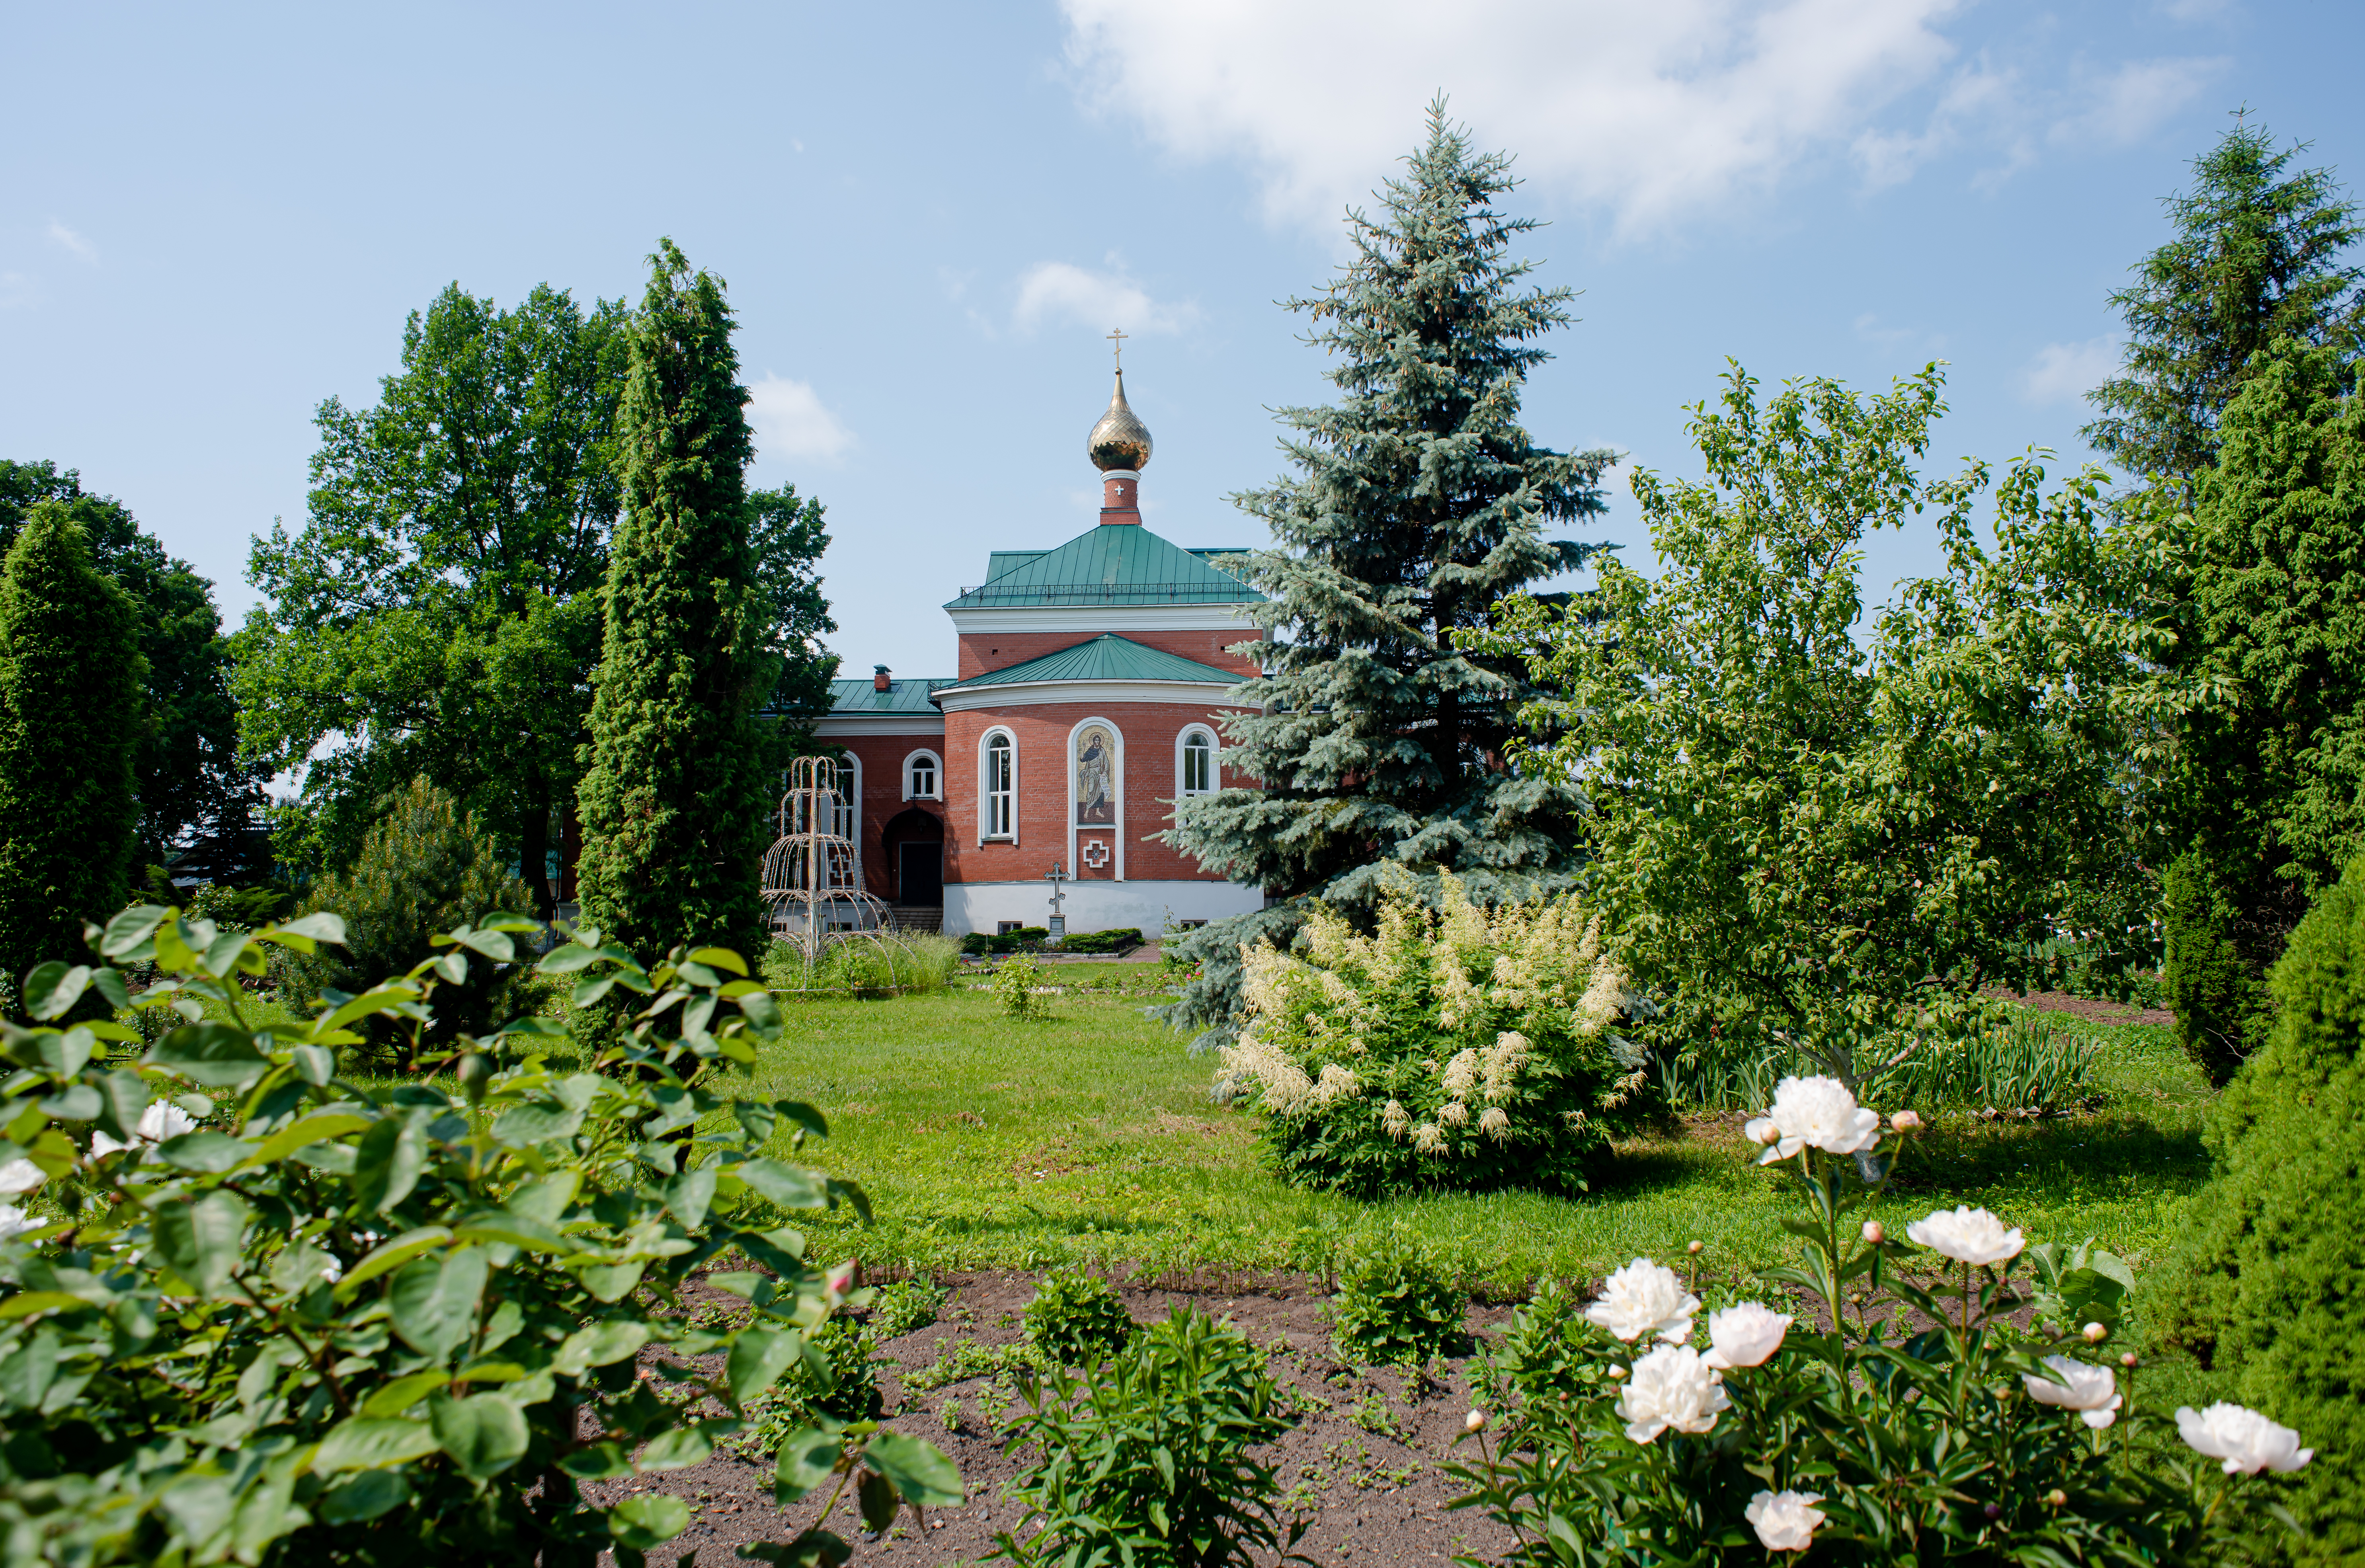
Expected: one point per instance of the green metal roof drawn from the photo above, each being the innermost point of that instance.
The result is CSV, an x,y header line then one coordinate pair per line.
x,y
1106,657
853,698
1117,563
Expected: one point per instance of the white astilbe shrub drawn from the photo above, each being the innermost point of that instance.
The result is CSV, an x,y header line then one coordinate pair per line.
x,y
1459,1046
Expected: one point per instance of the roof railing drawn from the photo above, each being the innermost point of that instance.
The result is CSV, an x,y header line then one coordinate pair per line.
x,y
1110,593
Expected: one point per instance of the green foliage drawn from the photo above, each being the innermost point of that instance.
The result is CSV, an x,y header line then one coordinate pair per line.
x,y
2266,774
437,614
887,964
1076,1319
333,1324
1990,1055
786,534
2212,988
837,1379
1146,1461
70,702
961,1360
238,909
423,870
1911,1427
2257,255
2268,1283
1420,502
1465,1048
195,794
900,1307
1016,988
1026,939
1395,1305
1803,840
673,804
1117,940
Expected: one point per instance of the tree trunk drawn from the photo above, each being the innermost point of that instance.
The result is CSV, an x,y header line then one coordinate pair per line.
x,y
533,847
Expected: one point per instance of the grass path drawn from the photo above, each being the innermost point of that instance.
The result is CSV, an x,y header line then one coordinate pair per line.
x,y
1088,1137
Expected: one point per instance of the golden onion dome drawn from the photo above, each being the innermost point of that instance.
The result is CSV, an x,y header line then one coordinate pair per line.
x,y
1120,441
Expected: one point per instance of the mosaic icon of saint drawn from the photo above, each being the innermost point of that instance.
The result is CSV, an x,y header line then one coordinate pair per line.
x,y
1095,775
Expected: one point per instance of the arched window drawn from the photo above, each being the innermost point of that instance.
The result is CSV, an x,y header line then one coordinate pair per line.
x,y
998,808
921,770
1197,765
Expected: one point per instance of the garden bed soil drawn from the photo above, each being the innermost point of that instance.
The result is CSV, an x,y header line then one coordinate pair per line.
x,y
2093,1010
1370,1495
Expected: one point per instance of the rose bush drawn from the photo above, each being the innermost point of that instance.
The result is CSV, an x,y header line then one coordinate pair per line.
x,y
1914,1424
252,1311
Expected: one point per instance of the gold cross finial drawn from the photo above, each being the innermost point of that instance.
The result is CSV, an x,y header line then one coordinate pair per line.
x,y
1118,338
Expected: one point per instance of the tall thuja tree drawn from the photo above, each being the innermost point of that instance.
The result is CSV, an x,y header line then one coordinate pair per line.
x,y
2264,789
673,803
69,709
2259,254
197,797
1418,503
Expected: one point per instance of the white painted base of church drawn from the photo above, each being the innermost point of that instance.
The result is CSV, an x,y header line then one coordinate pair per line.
x,y
1094,906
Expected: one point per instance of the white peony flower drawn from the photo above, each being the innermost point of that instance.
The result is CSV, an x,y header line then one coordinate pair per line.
x,y
21,1176
1671,1386
1745,1336
1818,1113
14,1222
158,1122
2245,1440
2092,1391
1644,1298
1785,1522
1967,1236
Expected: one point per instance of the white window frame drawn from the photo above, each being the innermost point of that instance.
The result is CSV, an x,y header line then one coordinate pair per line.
x,y
1182,764
848,825
985,791
1117,776
936,790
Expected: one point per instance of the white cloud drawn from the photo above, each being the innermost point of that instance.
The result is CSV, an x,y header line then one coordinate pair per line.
x,y
1061,292
1977,96
2063,373
1654,112
65,238
790,421
2127,106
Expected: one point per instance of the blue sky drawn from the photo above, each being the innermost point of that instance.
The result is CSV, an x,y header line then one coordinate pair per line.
x,y
929,215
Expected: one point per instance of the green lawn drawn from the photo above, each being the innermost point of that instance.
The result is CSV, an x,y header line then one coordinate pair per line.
x,y
1090,1138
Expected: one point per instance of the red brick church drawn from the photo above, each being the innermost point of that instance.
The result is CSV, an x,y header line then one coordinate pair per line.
x,y
1090,682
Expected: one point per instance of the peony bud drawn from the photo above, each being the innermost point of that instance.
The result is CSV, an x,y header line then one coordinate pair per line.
x,y
1692,1247
1873,1233
2056,1497
1616,1371
1905,1122
2128,1361
2095,1333
1474,1422
475,1067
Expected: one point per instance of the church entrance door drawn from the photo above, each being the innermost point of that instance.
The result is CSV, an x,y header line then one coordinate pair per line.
x,y
915,841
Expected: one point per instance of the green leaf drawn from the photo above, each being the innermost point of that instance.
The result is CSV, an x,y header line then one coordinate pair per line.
x,y
52,988
676,1450
318,926
811,1548
688,1195
391,1253
365,1497
387,1164
493,945
597,1346
758,1357
647,1520
131,928
919,1470
598,1462
807,1460
876,1495
316,1065
433,1300
720,958
610,1282
199,1239
522,1126
211,1153
109,984
126,1096
762,1012
789,1186
368,1443
403,1393
312,1129
221,954
567,959
216,1056
484,1433
32,1304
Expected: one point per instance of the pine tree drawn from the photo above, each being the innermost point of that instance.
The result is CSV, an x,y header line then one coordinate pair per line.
x,y
71,677
673,803
2256,257
1418,503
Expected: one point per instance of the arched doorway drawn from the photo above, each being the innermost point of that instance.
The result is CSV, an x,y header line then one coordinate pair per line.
x,y
915,842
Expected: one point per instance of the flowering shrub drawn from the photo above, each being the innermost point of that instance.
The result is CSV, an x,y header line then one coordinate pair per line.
x,y
1463,1048
252,1311
1919,1426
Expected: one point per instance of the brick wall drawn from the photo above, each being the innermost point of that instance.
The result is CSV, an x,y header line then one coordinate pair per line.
x,y
983,651
883,799
1148,732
